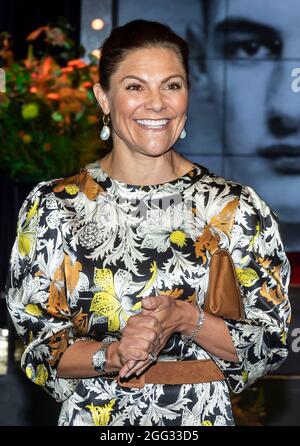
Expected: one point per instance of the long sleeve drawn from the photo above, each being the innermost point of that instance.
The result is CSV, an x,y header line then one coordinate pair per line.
x,y
263,273
36,294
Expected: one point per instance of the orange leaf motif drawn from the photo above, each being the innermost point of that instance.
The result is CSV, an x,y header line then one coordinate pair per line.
x,y
225,219
192,299
58,344
85,183
57,304
272,295
265,263
80,322
206,242
174,293
72,273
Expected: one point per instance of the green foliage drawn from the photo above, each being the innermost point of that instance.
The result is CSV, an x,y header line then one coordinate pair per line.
x,y
49,118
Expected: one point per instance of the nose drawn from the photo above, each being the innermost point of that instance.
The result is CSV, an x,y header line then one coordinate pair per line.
x,y
283,104
155,101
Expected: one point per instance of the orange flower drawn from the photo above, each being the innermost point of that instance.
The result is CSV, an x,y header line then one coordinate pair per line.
x,y
65,92
53,96
92,119
33,90
47,146
86,84
67,69
35,34
76,63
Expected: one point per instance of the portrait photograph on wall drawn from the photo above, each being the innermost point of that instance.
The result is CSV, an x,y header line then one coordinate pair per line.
x,y
148,149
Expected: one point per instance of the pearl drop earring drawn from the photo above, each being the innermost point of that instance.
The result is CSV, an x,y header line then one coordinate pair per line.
x,y
105,132
182,134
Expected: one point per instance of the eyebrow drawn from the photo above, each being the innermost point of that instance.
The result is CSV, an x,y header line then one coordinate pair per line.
x,y
237,24
144,82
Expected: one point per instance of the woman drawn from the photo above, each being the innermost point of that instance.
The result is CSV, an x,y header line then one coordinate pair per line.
x,y
110,267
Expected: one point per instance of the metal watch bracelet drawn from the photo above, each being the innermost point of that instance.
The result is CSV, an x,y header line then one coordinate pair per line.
x,y
99,360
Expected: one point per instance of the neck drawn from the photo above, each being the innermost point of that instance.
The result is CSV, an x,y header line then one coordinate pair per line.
x,y
138,168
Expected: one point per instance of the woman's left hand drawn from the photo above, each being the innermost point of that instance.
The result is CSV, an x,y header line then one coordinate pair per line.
x,y
171,314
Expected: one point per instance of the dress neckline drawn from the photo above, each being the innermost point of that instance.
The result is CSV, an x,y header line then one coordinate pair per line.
x,y
101,176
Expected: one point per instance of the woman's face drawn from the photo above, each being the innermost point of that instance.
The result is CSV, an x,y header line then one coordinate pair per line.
x,y
147,100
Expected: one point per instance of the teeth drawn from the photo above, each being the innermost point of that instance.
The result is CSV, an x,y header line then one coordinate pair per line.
x,y
153,122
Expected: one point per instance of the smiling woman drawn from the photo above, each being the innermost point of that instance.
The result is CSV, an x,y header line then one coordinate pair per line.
x,y
110,267
148,106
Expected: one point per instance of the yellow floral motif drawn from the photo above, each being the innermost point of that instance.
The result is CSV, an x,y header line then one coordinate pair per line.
x,y
283,337
245,376
32,211
151,281
206,423
106,302
25,241
71,189
29,372
41,375
26,235
101,414
178,238
246,276
137,306
33,310
253,240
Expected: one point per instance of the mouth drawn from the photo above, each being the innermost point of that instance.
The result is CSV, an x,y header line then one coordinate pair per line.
x,y
153,124
284,158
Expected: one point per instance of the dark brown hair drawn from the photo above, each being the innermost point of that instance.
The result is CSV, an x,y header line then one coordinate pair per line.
x,y
135,35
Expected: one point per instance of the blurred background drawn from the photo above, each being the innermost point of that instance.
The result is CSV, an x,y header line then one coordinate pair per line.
x,y
243,123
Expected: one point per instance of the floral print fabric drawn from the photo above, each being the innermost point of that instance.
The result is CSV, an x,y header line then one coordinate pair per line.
x,y
90,247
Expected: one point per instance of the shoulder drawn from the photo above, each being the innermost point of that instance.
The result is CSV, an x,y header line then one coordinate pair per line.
x,y
216,184
60,189
249,198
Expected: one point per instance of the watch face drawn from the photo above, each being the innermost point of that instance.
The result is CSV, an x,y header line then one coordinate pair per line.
x,y
99,360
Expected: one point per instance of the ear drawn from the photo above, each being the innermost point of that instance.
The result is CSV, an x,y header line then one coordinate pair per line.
x,y
101,97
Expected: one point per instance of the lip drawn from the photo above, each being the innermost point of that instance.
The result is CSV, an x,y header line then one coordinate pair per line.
x,y
285,158
153,129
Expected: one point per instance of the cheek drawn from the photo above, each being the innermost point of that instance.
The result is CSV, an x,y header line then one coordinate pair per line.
x,y
179,103
122,107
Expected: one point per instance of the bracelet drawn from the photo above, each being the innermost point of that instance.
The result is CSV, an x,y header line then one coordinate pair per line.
x,y
190,339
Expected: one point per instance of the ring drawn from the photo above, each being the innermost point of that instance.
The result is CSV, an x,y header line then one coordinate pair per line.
x,y
152,356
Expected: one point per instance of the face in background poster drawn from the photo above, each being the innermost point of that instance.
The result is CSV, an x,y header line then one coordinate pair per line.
x,y
253,92
244,116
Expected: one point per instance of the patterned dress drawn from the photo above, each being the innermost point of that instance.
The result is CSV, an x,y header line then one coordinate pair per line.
x,y
90,247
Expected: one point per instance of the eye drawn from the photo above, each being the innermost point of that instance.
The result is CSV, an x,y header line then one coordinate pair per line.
x,y
174,86
252,49
134,87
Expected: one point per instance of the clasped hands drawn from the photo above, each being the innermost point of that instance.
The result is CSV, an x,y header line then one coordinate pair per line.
x,y
148,332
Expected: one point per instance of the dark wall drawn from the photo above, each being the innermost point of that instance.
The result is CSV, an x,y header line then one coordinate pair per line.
x,y
21,17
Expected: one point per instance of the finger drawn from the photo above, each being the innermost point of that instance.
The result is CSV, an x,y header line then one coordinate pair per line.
x,y
126,368
138,368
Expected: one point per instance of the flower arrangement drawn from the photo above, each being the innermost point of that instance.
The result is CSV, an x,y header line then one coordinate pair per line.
x,y
49,118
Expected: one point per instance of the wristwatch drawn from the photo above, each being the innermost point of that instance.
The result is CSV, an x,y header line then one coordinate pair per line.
x,y
99,360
